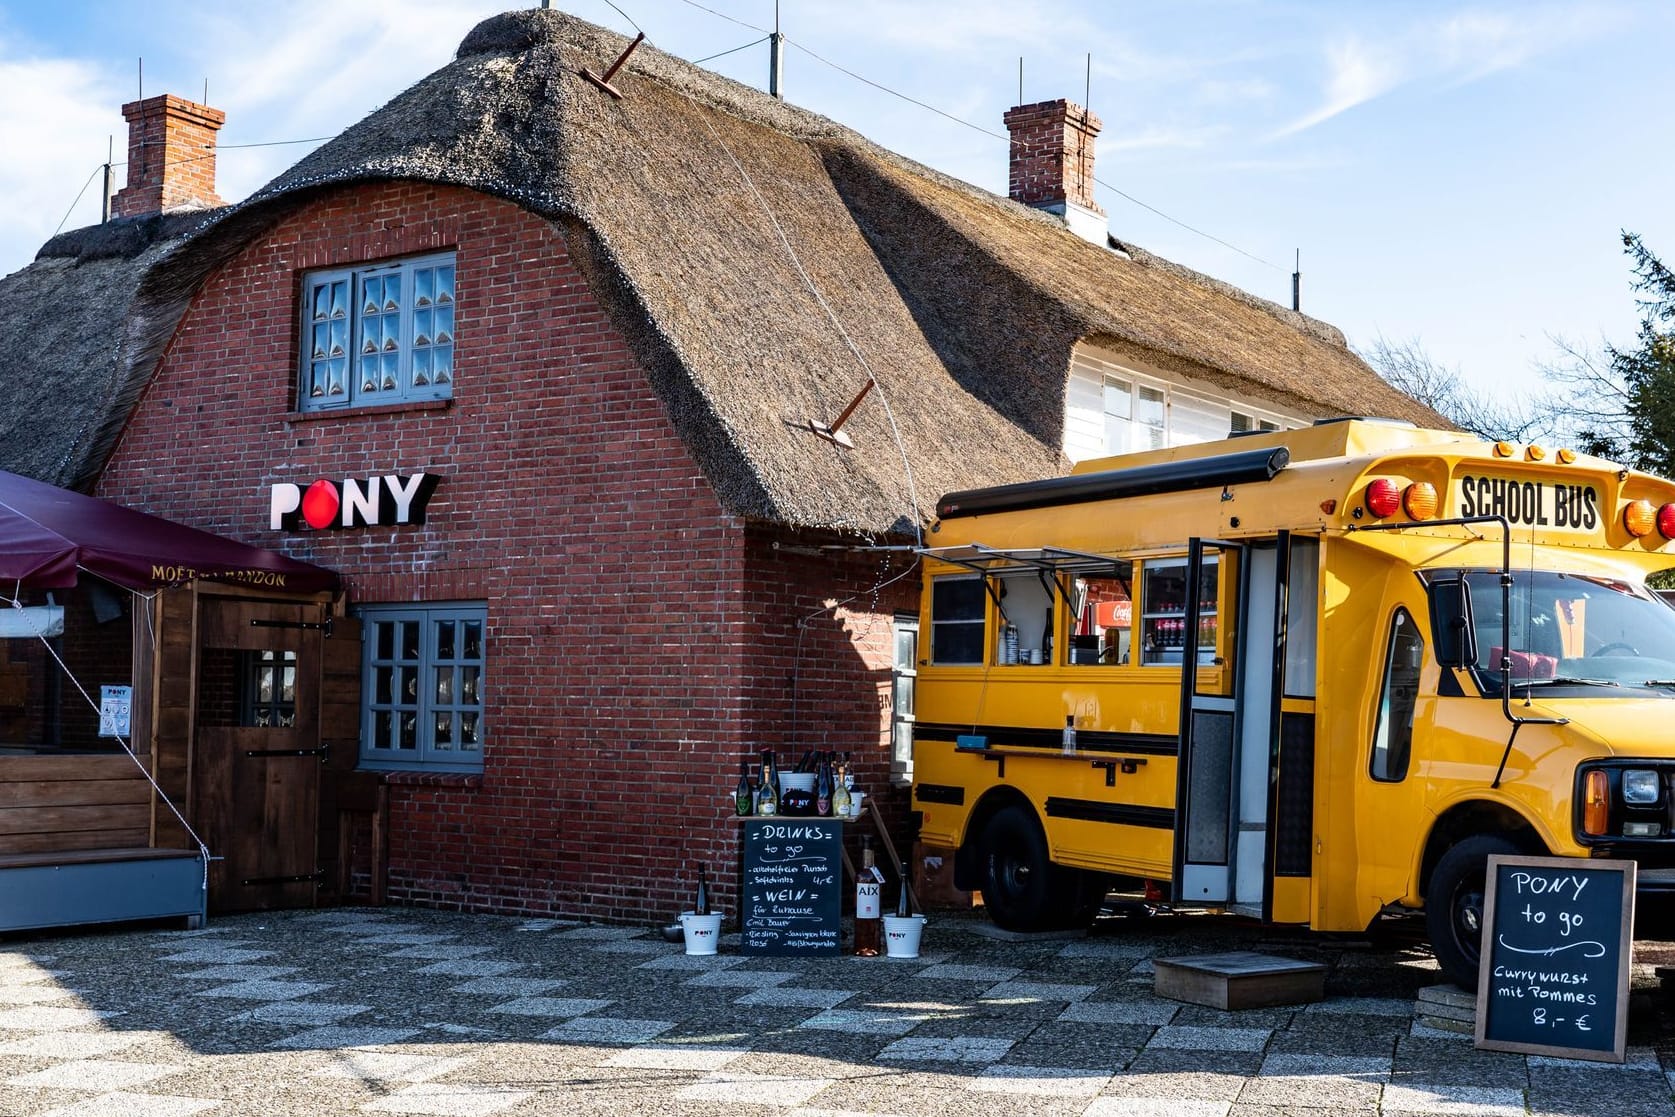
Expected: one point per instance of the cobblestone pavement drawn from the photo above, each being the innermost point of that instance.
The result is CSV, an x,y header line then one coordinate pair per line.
x,y
404,1011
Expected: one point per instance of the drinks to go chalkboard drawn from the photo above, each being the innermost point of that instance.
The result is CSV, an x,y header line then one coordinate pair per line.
x,y
743,801
701,902
869,921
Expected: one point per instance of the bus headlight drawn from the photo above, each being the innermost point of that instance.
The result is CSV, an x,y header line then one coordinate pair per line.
x,y
1640,786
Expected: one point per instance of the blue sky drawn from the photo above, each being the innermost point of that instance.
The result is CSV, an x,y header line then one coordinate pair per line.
x,y
1455,173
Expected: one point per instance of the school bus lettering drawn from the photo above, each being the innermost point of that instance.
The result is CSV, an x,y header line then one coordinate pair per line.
x,y
1561,505
1220,673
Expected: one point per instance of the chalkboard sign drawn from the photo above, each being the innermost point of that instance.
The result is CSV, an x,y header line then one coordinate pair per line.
x,y
1556,945
791,902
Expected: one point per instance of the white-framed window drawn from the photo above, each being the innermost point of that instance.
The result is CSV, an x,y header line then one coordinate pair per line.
x,y
1247,421
422,670
383,333
1112,408
904,678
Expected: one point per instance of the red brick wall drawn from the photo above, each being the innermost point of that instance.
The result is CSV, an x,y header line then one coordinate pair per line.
x,y
171,156
626,670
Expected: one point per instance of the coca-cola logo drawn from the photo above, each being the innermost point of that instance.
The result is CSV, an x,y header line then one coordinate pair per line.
x,y
389,499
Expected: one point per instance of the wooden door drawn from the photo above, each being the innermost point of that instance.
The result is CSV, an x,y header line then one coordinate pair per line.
x,y
257,751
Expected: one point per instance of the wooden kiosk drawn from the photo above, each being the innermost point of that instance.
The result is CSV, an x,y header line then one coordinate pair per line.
x,y
168,699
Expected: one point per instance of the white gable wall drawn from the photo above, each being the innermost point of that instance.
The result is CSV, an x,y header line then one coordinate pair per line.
x,y
1114,405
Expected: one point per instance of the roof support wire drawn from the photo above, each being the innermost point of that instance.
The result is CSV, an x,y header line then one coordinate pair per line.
x,y
16,602
855,350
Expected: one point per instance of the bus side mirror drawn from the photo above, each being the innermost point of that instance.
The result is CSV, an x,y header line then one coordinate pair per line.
x,y
1451,621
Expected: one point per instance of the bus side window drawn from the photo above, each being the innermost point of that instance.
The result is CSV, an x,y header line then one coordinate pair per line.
x,y
957,607
1103,617
1393,732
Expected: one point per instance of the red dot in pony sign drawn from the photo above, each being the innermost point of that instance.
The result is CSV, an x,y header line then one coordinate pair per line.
x,y
320,505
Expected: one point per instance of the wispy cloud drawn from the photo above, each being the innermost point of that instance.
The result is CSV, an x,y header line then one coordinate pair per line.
x,y
1465,47
1355,74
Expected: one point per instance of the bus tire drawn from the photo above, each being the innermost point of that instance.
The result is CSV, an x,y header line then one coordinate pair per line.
x,y
1022,889
1454,905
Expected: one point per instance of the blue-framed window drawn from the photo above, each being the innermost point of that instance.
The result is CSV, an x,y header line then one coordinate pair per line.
x,y
422,670
378,334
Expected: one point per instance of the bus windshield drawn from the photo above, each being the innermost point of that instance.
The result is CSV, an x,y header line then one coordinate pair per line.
x,y
1572,630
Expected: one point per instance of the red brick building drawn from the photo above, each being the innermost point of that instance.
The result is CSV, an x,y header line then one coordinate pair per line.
x,y
600,335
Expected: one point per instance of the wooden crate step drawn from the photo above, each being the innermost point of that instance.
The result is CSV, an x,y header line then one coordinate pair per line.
x,y
1239,979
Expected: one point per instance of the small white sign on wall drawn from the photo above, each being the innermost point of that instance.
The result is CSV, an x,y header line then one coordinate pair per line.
x,y
115,705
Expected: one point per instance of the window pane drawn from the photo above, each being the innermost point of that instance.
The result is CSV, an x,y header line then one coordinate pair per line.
x,y
444,731
382,735
468,731
468,686
409,639
1118,398
1393,735
409,731
444,639
384,639
957,599
473,640
444,686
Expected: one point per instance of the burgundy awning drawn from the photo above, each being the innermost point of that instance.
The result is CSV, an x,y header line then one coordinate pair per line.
x,y
48,534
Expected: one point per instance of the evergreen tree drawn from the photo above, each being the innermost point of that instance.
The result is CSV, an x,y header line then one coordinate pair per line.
x,y
1647,372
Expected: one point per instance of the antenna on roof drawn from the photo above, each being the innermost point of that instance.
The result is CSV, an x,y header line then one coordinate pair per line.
x,y
1087,83
1297,284
1020,79
110,180
776,57
141,97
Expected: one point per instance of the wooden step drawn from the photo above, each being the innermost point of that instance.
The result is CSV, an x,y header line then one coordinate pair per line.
x,y
1239,979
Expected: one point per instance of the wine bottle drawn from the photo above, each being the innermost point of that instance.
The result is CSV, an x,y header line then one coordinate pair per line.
x,y
904,906
823,790
701,902
848,773
840,797
767,796
743,801
869,922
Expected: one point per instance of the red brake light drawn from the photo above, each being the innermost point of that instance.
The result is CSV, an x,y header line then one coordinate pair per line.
x,y
1383,497
1666,521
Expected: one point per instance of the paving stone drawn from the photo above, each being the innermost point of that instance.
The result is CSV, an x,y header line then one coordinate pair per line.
x,y
346,1035
268,990
1003,1078
753,1089
989,975
950,1049
448,1100
389,1066
656,1057
796,997
95,1074
1157,1107
473,967
120,1104
48,1018
508,986
1211,1039
1038,991
552,1006
739,979
865,1022
1454,1101
1148,1011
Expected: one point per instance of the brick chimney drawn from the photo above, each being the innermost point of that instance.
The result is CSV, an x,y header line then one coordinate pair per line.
x,y
1052,164
171,156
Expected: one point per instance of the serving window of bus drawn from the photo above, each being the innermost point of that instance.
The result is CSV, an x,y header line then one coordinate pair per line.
x,y
1163,619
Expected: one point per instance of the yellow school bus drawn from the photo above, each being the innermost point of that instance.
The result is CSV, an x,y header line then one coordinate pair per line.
x,y
1311,676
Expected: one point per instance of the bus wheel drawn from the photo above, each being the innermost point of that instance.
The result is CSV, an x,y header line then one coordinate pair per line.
x,y
1454,906
1021,885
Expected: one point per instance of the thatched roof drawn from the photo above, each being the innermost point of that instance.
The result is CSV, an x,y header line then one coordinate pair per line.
x,y
965,306
65,332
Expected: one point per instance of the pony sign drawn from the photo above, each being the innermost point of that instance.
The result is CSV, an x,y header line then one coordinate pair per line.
x,y
376,501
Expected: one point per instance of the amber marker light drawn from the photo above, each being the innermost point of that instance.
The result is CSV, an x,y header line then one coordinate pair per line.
x,y
1383,497
1596,803
1639,518
1666,521
1566,457
1419,500
1535,453
1503,449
